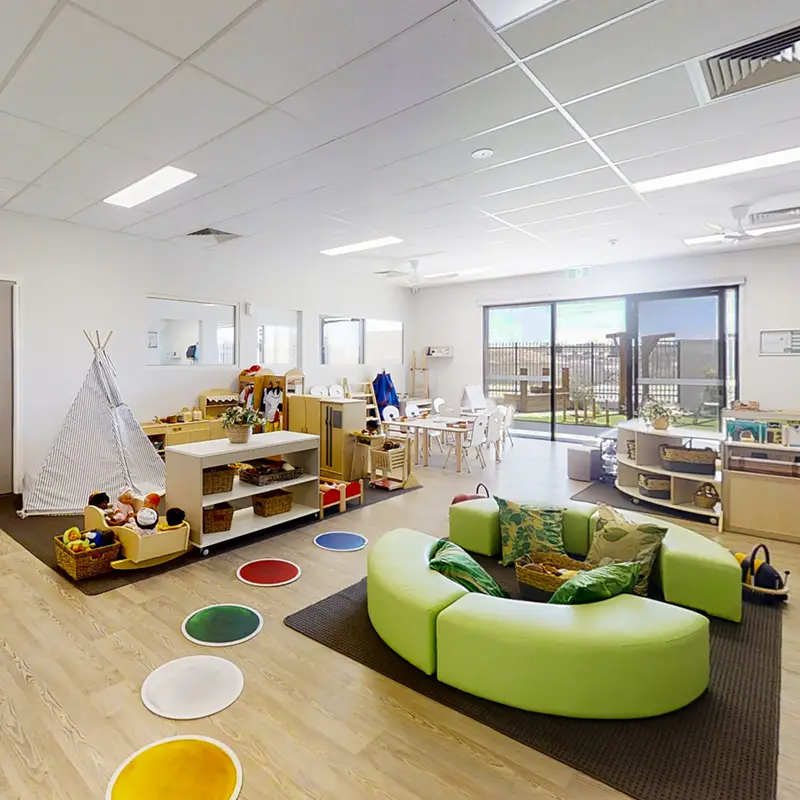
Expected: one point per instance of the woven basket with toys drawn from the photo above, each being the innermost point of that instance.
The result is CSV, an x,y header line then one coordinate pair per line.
x,y
85,554
539,575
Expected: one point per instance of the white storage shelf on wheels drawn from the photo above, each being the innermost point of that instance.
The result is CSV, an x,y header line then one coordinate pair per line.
x,y
186,462
683,485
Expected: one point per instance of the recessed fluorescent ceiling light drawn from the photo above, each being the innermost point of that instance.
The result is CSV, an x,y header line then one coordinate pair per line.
x,y
153,185
791,226
359,246
501,12
714,238
720,171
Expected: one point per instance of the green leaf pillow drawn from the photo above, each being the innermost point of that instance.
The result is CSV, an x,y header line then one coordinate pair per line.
x,y
525,529
457,564
597,584
618,540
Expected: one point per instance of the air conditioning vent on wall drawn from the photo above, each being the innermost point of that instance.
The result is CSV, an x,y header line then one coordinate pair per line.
x,y
219,237
769,60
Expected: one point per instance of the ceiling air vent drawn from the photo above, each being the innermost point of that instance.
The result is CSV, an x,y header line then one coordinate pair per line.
x,y
769,60
219,237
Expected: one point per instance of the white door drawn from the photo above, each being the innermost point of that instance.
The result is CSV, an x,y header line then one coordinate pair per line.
x,y
6,389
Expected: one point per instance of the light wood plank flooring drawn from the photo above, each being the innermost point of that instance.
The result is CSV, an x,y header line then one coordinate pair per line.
x,y
311,723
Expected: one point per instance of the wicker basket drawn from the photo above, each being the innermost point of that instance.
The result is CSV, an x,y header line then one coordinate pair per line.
x,y
271,503
535,585
218,479
263,472
218,518
239,434
687,459
655,486
706,496
87,564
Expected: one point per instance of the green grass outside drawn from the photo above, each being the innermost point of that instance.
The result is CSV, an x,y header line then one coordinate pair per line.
x,y
613,420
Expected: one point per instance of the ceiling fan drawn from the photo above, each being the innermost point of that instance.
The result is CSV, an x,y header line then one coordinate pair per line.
x,y
733,235
412,276
768,221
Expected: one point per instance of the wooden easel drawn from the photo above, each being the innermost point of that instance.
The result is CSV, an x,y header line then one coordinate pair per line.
x,y
412,393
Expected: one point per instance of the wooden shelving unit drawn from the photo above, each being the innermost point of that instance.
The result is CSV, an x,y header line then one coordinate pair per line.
x,y
185,465
683,485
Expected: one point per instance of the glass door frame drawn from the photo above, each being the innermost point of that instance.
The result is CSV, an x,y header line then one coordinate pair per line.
x,y
632,340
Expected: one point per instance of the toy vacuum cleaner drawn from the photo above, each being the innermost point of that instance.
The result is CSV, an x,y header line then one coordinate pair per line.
x,y
760,580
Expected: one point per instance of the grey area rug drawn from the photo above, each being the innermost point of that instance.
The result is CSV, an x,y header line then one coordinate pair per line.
x,y
36,535
723,746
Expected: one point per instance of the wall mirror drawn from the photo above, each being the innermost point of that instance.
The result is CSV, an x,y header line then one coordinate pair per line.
x,y
183,333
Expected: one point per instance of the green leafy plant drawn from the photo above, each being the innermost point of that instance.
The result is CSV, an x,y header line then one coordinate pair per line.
x,y
654,409
241,416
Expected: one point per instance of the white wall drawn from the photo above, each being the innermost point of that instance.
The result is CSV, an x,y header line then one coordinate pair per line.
x,y
71,278
770,298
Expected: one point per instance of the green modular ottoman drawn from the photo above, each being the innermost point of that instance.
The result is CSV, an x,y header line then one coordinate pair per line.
x,y
623,658
404,595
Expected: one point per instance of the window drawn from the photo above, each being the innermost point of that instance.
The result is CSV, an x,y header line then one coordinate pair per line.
x,y
350,340
277,339
383,341
225,343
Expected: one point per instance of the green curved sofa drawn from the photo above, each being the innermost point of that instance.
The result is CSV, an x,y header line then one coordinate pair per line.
x,y
623,658
691,570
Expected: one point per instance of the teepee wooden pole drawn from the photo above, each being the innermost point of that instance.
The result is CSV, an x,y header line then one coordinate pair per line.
x,y
89,339
110,333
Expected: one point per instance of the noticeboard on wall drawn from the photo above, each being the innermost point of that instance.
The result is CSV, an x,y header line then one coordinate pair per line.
x,y
780,343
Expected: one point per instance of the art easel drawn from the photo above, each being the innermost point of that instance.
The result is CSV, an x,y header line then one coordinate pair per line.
x,y
414,369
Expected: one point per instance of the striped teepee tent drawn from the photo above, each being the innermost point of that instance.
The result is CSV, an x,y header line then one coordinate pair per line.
x,y
101,447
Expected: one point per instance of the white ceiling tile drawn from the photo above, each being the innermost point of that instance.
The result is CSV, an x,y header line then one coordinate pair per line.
x,y
179,26
285,45
571,207
594,221
659,95
20,23
536,135
266,140
197,187
112,218
27,148
661,35
81,73
183,112
725,117
563,21
43,202
160,227
96,171
599,180
445,51
781,136
529,171
9,188
466,111
387,213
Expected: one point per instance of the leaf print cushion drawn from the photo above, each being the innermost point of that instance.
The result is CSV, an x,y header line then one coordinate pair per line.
x,y
618,540
457,564
525,529
597,584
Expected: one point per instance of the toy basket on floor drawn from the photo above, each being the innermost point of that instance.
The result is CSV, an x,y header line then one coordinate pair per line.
x,y
218,479
218,518
263,472
87,564
534,583
271,503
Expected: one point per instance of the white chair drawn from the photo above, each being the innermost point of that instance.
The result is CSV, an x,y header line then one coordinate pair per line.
x,y
437,404
390,413
507,423
475,440
494,434
318,391
491,405
412,410
337,390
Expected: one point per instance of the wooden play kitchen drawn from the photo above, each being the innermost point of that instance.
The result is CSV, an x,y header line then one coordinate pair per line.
x,y
250,504
675,468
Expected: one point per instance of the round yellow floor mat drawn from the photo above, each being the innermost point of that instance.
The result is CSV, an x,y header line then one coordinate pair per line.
x,y
179,768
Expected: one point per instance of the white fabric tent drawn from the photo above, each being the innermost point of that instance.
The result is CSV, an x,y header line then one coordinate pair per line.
x,y
101,447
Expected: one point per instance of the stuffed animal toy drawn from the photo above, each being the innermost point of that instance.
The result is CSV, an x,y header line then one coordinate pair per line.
x,y
99,500
145,521
153,500
123,508
99,538
71,535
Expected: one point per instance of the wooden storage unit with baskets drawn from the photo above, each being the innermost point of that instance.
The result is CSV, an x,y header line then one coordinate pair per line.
x,y
536,581
272,503
265,471
669,467
87,564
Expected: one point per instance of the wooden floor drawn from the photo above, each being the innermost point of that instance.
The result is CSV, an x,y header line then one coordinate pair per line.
x,y
310,723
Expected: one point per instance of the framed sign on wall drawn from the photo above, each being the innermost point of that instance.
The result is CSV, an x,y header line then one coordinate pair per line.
x,y
780,343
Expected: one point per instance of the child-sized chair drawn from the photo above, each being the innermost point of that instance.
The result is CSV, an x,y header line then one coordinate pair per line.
x,y
140,551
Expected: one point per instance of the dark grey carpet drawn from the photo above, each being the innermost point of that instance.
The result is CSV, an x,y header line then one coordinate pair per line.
x,y
36,535
607,493
722,747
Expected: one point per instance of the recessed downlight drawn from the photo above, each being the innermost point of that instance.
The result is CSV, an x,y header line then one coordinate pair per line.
x,y
482,154
360,246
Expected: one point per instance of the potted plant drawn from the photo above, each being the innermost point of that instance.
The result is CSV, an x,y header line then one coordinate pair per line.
x,y
238,422
659,415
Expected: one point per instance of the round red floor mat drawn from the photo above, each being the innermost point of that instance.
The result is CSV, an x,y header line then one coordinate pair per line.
x,y
268,572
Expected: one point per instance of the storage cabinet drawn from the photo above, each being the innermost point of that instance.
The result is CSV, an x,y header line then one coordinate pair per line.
x,y
165,435
334,421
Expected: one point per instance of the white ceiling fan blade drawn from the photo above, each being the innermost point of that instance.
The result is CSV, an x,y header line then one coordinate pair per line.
x,y
443,276
392,273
